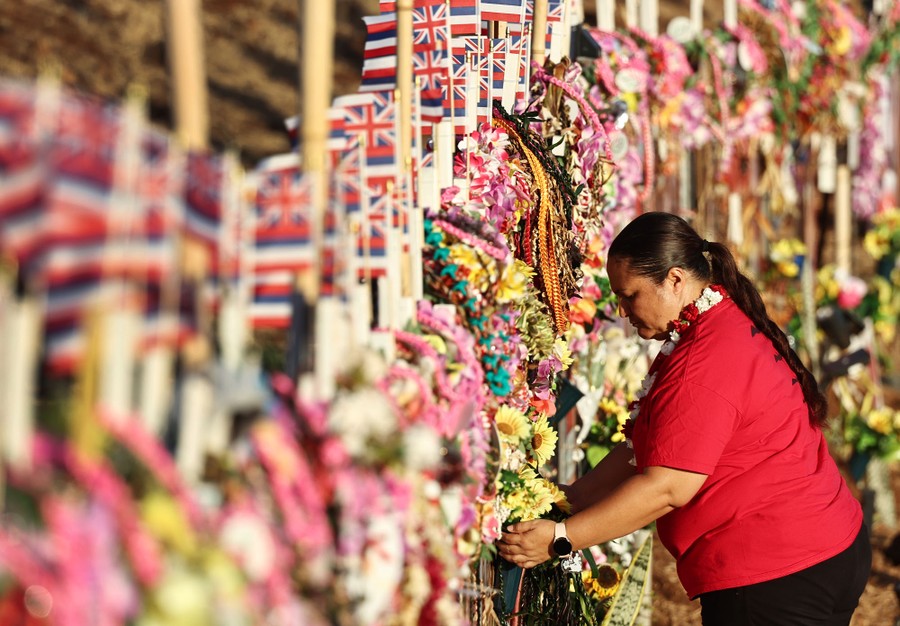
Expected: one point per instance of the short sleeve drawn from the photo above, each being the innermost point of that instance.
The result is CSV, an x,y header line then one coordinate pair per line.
x,y
688,427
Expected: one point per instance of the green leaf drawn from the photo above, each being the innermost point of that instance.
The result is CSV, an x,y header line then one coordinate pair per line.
x,y
626,604
595,454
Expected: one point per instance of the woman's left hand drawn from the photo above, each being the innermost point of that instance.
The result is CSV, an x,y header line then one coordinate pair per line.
x,y
527,544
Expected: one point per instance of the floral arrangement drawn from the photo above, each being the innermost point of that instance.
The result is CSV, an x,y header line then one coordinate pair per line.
x,y
882,239
787,256
874,432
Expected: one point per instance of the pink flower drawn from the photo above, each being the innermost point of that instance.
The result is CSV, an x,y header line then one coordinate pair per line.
x,y
851,293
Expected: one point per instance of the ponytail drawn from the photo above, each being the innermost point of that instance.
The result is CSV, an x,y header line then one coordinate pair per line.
x,y
745,295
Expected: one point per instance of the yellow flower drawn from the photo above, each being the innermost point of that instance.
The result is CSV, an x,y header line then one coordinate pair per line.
x,y
481,267
437,342
886,330
876,245
166,520
559,498
543,441
881,420
606,583
512,424
543,497
514,281
562,352
842,41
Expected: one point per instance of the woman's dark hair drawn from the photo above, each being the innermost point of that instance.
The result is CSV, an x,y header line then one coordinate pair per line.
x,y
654,243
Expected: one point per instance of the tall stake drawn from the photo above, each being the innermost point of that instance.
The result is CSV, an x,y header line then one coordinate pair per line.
x,y
185,43
539,34
316,70
404,111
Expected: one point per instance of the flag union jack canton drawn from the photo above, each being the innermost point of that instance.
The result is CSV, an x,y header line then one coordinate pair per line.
x,y
282,208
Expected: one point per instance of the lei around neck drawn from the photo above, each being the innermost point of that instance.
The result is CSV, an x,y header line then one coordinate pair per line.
x,y
709,297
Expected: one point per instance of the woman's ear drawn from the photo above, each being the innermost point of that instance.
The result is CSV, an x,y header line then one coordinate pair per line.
x,y
677,278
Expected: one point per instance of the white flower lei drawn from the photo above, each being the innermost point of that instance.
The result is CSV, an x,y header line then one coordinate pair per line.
x,y
707,300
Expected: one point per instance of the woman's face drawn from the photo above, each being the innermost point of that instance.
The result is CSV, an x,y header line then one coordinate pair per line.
x,y
647,305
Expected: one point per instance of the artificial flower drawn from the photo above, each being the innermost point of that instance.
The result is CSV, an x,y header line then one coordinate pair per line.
x,y
543,441
512,424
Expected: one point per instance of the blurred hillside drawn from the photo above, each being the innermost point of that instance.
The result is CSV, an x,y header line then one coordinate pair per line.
x,y
104,46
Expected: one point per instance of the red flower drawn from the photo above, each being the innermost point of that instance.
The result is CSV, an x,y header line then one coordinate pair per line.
x,y
628,428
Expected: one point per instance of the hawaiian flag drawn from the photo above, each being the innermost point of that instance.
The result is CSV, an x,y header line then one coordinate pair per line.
x,y
555,13
503,10
430,37
432,70
204,192
431,25
372,124
379,74
381,38
498,67
431,105
431,67
23,176
282,238
271,299
379,70
518,56
80,193
465,17
479,49
372,247
160,189
281,208
456,90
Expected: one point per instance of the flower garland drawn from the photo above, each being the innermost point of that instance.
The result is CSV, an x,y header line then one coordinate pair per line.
x,y
709,297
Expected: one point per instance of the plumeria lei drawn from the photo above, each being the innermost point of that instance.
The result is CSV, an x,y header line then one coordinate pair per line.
x,y
709,297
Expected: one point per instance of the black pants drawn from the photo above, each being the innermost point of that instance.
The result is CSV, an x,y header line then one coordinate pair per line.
x,y
826,593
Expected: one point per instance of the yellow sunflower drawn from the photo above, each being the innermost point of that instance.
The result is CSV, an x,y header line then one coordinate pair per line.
x,y
511,424
543,441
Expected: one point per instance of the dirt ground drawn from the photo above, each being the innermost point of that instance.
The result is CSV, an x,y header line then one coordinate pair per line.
x,y
879,605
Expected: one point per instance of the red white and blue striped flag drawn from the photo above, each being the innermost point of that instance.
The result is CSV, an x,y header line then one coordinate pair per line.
x,y
503,10
23,177
282,206
465,17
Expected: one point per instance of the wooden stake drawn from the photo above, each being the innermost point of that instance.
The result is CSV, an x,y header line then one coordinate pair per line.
x,y
843,219
539,34
186,63
316,70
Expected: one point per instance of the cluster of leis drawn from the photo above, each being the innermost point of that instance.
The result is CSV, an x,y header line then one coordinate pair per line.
x,y
709,297
543,237
470,268
498,185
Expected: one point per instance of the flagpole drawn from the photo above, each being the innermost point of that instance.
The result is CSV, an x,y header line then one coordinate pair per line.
x,y
539,32
416,226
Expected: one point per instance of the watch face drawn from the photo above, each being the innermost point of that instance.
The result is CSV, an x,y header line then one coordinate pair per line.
x,y
562,546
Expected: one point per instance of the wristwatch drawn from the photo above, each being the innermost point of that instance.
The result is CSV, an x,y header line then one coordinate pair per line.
x,y
561,544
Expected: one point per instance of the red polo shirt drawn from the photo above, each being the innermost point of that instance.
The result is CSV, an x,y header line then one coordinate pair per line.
x,y
725,404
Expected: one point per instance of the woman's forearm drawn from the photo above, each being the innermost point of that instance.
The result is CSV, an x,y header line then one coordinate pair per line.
x,y
636,502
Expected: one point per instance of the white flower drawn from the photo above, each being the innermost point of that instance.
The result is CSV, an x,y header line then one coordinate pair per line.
x,y
361,418
421,447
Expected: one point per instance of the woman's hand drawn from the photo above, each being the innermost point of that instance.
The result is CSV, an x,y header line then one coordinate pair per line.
x,y
527,544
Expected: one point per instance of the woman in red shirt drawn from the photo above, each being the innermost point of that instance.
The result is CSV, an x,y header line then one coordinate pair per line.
x,y
724,448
